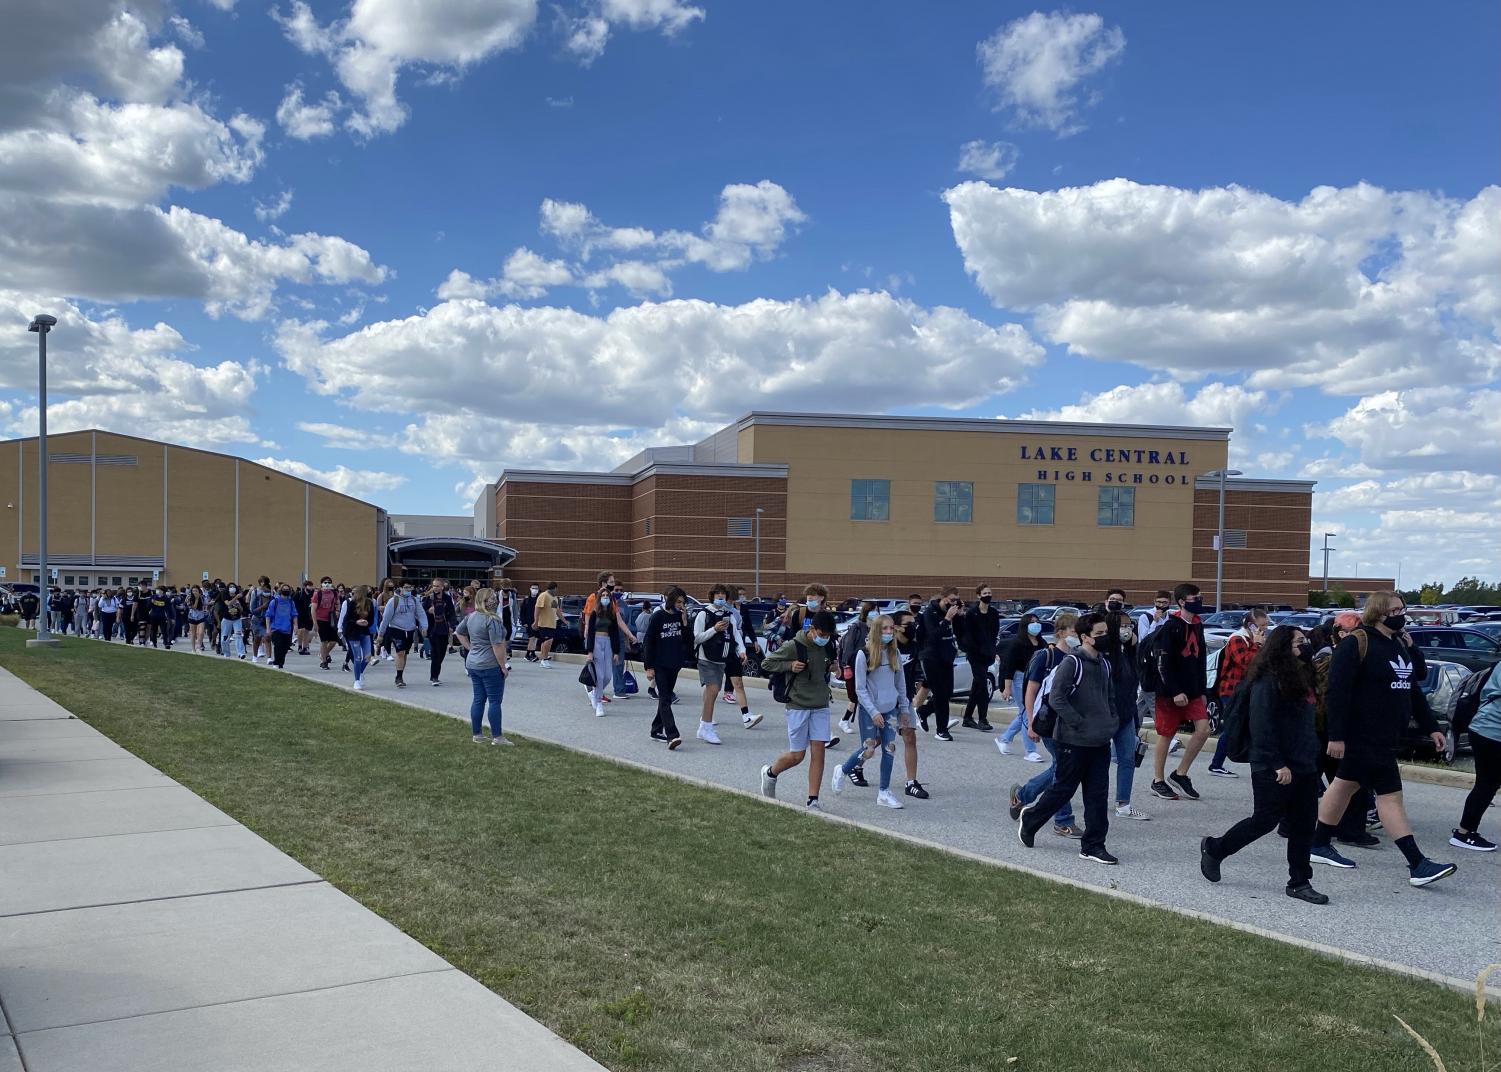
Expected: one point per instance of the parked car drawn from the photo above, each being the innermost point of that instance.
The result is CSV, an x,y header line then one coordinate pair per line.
x,y
569,636
1046,613
1300,619
1225,619
1490,629
1441,686
1460,644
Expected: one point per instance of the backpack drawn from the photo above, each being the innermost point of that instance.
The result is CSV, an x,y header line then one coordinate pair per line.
x,y
1045,719
1235,724
780,681
1467,701
1146,660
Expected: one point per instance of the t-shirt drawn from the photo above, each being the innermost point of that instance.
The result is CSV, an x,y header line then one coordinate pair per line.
x,y
547,611
482,631
1037,670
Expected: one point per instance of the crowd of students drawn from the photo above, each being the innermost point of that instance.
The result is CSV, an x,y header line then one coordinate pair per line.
x,y
1328,707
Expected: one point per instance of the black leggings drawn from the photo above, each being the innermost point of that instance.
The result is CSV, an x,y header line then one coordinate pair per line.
x,y
979,688
666,681
1294,806
1487,781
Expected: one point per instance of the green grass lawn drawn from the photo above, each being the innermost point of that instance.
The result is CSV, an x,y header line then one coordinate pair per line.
x,y
658,925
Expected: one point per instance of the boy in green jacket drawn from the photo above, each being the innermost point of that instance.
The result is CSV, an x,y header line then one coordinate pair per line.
x,y
808,699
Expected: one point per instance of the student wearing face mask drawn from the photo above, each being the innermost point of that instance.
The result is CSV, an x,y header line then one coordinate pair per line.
x,y
158,608
1235,660
281,619
1284,762
980,634
907,650
1351,829
1120,651
606,636
912,628
303,597
940,646
1181,659
260,597
325,608
1148,622
402,623
884,708
529,620
807,657
1373,694
1019,653
229,610
716,637
665,648
850,644
1081,693
734,667
1065,642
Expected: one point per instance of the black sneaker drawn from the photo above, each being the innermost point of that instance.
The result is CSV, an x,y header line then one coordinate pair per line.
x,y
1360,841
857,777
944,736
651,690
1024,835
1185,785
1428,872
658,735
986,727
1164,791
915,789
1304,892
1015,806
400,683
1472,840
1209,867
923,720
1373,820
1099,856
833,741
970,724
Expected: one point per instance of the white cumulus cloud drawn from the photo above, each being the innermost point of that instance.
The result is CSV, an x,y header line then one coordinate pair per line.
x,y
1036,64
360,483
587,35
988,159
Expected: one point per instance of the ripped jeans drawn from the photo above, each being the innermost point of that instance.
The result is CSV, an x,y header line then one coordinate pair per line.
x,y
871,739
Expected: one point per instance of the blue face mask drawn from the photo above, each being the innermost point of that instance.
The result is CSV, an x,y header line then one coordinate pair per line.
x,y
1034,628
720,603
888,638
814,603
821,641
871,617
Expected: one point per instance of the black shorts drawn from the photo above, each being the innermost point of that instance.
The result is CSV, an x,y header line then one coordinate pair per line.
x,y
733,667
1376,771
327,633
544,632
401,640
304,621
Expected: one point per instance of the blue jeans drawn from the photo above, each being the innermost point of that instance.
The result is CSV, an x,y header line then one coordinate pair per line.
x,y
1019,723
489,685
228,631
359,654
619,676
1039,784
1124,747
883,738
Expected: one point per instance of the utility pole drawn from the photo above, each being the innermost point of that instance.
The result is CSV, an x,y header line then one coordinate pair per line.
x,y
41,324
1327,549
758,552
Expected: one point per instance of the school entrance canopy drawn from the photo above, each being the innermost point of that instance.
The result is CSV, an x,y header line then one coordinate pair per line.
x,y
452,558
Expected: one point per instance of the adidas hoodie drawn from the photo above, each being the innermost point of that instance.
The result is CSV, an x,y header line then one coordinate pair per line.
x,y
1370,702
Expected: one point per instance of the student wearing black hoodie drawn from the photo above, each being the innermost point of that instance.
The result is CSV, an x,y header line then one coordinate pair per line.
x,y
665,647
1373,692
939,647
1284,762
1181,664
981,634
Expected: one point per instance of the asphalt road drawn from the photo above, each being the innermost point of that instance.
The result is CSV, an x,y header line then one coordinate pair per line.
x,y
1450,928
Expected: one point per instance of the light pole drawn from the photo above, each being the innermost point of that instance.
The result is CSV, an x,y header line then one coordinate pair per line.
x,y
1219,539
1327,549
41,324
758,552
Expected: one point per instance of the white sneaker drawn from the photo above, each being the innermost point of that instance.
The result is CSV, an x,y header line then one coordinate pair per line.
x,y
1034,757
1175,745
750,722
599,710
1127,811
390,658
1003,746
768,783
885,799
502,740
706,733
545,664
359,686
836,780
847,724
477,738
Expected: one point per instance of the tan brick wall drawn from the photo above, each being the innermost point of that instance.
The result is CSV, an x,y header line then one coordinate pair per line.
x,y
1273,567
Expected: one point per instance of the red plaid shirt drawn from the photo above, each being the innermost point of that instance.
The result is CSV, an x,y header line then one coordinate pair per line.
x,y
1234,661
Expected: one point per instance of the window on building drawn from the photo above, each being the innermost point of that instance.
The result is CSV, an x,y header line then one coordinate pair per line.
x,y
115,581
953,501
1117,507
738,526
870,500
68,580
1034,503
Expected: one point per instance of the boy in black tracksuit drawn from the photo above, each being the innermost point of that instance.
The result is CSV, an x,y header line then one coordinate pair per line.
x,y
665,648
939,647
981,637
1373,692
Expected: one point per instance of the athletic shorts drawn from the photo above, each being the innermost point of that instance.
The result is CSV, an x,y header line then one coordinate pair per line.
x,y
257,626
304,621
711,673
733,667
327,633
1376,771
804,726
544,632
1169,717
401,640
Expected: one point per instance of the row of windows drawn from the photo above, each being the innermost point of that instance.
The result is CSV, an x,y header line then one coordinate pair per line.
x,y
954,503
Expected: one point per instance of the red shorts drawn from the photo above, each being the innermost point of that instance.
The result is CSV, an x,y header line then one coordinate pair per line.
x,y
1169,717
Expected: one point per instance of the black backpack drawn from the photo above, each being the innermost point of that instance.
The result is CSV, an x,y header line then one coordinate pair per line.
x,y
1146,659
1235,724
1467,701
780,681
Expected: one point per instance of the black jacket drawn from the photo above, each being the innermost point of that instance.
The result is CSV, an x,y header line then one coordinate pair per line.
x,y
1020,651
1369,703
1282,733
981,632
1181,658
938,641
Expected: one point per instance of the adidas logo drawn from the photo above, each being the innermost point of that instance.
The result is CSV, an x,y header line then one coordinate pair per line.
x,y
1403,669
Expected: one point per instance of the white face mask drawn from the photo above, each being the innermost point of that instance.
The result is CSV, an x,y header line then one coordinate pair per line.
x,y
534,591
1126,635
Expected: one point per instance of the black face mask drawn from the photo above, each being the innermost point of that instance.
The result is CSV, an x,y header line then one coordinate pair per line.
x,y
1193,606
984,599
1395,622
1113,604
914,607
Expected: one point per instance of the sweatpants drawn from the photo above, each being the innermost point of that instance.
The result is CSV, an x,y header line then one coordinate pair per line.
x,y
439,652
940,677
280,643
666,681
979,689
1294,806
1086,765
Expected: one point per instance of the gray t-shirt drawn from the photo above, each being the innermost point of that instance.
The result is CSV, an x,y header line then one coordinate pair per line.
x,y
482,632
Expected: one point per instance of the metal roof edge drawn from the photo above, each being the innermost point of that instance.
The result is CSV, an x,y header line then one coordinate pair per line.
x,y
980,424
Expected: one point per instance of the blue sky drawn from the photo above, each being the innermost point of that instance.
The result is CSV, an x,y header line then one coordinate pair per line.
x,y
763,205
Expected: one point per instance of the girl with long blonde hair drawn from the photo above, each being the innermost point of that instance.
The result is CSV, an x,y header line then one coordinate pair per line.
x,y
881,690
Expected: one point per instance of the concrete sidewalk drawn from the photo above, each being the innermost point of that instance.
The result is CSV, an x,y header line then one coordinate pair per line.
x,y
143,930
